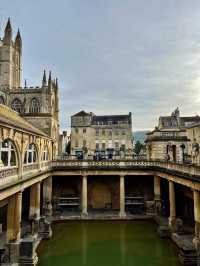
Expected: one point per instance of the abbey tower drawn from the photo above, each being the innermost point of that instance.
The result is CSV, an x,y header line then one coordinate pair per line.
x,y
38,105
10,59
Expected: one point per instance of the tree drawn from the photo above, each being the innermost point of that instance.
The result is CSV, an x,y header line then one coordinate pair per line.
x,y
68,147
138,147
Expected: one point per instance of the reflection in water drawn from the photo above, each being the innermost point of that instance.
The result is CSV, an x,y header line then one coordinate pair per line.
x,y
122,244
84,244
106,243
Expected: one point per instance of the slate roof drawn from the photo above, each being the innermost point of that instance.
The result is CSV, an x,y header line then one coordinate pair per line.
x,y
11,118
105,119
114,119
82,113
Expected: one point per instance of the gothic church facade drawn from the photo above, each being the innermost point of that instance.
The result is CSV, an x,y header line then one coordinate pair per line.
x,y
38,105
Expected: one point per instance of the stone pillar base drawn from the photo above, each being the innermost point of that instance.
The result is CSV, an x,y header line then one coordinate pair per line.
x,y
122,215
45,230
176,225
84,215
48,209
35,225
14,251
28,256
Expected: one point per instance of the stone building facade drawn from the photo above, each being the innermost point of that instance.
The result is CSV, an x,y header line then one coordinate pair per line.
x,y
106,134
193,133
169,140
38,105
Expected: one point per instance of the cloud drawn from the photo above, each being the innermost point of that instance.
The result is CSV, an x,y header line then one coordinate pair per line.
x,y
114,56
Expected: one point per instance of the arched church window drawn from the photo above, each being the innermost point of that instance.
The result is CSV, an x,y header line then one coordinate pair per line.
x,y
16,105
45,154
8,156
35,106
2,101
30,155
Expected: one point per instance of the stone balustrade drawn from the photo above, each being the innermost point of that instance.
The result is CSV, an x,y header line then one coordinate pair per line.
x,y
6,172
187,170
12,174
30,167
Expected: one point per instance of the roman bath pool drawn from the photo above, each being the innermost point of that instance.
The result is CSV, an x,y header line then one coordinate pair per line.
x,y
107,243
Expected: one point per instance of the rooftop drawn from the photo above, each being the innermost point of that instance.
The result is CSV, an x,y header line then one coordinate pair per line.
x,y
11,118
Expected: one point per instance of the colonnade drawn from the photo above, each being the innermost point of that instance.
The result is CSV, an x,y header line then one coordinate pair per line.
x,y
172,207
85,196
14,209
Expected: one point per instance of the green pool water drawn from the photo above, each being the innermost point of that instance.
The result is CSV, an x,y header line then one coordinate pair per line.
x,y
107,243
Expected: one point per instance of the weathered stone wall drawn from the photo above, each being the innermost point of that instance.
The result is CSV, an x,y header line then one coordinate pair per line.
x,y
66,186
10,59
81,136
103,192
139,186
157,150
105,136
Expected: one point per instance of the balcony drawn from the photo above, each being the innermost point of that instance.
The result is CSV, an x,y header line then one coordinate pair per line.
x,y
8,175
30,167
179,169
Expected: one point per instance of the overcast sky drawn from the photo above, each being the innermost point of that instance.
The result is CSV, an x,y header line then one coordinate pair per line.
x,y
113,56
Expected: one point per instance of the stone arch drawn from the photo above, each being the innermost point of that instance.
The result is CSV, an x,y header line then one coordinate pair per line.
x,y
45,155
9,153
100,195
34,105
16,105
31,154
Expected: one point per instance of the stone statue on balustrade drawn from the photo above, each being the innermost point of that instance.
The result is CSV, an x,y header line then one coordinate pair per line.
x,y
195,152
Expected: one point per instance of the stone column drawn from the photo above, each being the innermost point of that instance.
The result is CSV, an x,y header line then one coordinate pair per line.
x,y
35,201
10,219
122,197
47,196
34,213
84,196
157,193
14,217
18,215
196,239
172,216
14,226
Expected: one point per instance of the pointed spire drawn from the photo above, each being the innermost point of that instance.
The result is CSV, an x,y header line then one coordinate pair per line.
x,y
49,80
8,25
44,80
8,32
25,83
56,83
18,40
